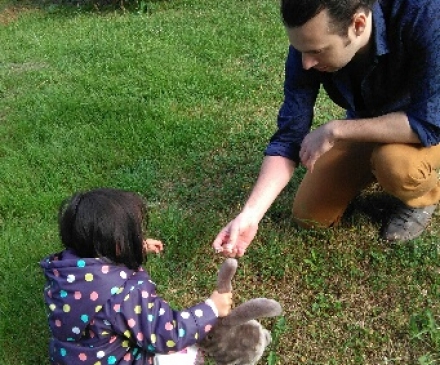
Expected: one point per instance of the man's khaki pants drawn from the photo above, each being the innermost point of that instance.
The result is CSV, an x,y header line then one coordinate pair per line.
x,y
405,171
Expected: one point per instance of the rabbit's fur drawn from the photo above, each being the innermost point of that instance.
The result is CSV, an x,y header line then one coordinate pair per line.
x,y
238,338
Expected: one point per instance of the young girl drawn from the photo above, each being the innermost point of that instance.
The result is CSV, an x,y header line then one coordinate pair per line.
x,y
103,307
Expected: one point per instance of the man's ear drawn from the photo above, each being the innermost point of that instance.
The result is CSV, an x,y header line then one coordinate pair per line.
x,y
359,23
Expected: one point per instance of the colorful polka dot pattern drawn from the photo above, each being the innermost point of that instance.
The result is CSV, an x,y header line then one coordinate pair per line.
x,y
104,314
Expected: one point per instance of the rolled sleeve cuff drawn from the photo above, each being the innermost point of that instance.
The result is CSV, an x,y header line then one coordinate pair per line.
x,y
277,149
204,317
210,302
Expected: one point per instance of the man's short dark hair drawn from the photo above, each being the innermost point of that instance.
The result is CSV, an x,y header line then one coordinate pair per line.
x,y
296,13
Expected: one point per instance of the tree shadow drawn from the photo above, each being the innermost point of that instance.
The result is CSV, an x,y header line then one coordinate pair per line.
x,y
15,6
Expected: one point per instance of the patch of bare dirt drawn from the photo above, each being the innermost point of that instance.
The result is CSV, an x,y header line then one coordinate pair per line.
x,y
11,14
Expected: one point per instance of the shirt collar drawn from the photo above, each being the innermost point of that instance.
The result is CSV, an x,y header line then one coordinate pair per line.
x,y
379,31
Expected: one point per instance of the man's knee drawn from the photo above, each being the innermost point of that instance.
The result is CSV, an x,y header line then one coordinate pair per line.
x,y
311,221
398,172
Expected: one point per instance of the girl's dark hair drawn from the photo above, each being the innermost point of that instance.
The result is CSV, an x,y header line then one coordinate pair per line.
x,y
105,223
296,13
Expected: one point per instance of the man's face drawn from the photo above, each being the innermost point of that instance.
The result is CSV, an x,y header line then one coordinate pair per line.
x,y
322,48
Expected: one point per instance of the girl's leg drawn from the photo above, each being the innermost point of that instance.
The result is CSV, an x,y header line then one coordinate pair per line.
x,y
338,176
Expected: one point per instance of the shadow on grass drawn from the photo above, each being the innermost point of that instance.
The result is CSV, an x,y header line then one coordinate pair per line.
x,y
373,203
9,10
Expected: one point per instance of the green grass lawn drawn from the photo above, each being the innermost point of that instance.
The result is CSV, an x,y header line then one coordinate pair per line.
x,y
177,103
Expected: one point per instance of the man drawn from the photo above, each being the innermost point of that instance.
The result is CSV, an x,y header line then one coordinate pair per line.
x,y
380,60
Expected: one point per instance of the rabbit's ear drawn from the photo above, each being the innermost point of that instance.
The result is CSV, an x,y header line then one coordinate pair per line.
x,y
225,275
253,309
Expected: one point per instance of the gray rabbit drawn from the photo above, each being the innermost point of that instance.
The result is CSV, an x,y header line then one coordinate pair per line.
x,y
238,338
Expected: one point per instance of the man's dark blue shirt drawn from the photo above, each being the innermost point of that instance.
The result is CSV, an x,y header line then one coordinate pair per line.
x,y
402,75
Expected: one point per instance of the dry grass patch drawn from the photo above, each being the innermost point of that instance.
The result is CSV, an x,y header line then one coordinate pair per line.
x,y
12,12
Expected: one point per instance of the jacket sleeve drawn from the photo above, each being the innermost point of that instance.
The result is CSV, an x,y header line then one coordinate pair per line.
x,y
295,116
141,316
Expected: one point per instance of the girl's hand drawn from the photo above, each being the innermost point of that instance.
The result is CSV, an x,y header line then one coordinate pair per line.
x,y
223,302
152,246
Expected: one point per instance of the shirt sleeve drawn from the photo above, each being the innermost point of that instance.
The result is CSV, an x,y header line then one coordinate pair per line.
x,y
143,317
295,116
423,42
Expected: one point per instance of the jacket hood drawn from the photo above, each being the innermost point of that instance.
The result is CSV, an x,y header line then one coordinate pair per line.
x,y
76,289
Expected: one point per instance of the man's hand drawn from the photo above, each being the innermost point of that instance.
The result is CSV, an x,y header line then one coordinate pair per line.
x,y
152,246
233,240
316,143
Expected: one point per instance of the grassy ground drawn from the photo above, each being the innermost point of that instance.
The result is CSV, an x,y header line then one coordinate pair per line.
x,y
177,103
